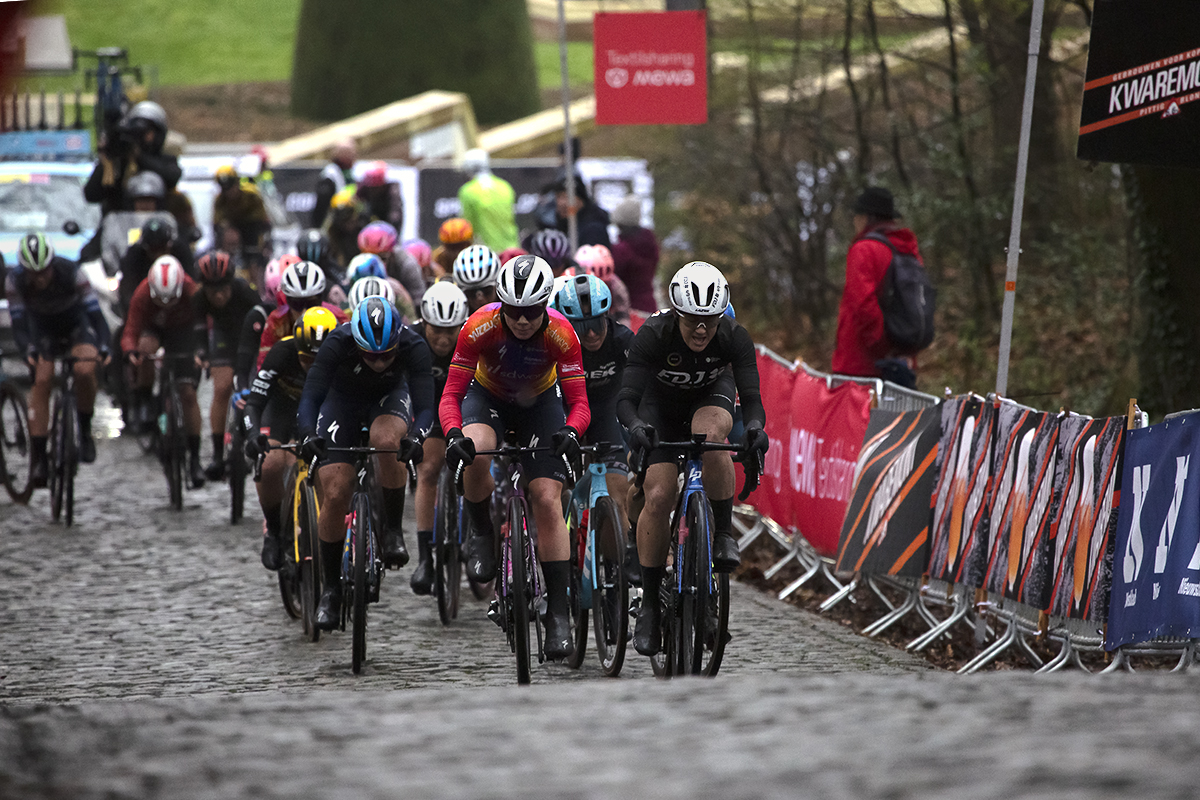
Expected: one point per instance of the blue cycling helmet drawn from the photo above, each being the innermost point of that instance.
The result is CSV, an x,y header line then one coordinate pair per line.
x,y
729,312
365,265
376,325
584,297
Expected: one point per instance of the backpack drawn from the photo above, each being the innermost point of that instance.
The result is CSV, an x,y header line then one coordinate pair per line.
x,y
907,298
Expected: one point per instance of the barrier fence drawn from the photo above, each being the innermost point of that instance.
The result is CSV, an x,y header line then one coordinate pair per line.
x,y
985,513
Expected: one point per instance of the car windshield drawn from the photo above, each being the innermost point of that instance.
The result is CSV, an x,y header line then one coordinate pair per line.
x,y
30,201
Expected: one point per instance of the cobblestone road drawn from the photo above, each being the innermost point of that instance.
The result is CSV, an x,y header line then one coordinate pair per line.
x,y
145,654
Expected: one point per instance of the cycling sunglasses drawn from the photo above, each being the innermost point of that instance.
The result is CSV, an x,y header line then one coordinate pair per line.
x,y
530,313
583,327
378,358
303,303
696,320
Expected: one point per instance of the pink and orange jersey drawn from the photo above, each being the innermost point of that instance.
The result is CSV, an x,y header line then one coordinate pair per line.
x,y
513,370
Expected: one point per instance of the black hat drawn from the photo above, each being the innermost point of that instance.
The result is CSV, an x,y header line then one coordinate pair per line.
x,y
876,202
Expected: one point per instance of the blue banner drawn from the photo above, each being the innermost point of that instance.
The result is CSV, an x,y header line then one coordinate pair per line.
x,y
45,145
1156,562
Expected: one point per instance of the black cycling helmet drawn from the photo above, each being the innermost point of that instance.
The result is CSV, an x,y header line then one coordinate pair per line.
x,y
157,232
312,246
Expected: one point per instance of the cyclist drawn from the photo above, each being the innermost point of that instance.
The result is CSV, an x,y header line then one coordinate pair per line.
x,y
503,376
270,417
347,216
596,259
303,287
161,314
313,245
380,239
587,302
685,366
156,239
239,205
455,235
443,312
554,246
371,286
373,372
223,301
270,298
54,311
475,271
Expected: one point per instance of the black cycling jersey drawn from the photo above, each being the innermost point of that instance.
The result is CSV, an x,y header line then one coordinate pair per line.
x,y
603,367
69,294
661,363
249,341
136,263
339,364
227,320
441,366
281,376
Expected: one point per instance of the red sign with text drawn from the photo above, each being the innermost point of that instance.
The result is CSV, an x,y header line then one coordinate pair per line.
x,y
651,68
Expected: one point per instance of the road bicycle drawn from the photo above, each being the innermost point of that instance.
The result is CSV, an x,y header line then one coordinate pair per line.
x,y
15,451
695,600
518,585
598,583
64,441
300,575
169,432
449,536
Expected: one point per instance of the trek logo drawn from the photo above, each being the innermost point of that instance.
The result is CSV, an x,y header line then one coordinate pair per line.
x,y
609,370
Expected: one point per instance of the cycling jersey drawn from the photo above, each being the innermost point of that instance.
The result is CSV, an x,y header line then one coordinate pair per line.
x,y
339,373
279,324
661,366
515,371
226,322
68,307
603,367
146,316
135,266
278,385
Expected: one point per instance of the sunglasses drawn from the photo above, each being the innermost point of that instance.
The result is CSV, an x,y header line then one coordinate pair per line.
x,y
530,313
695,320
583,327
303,303
379,358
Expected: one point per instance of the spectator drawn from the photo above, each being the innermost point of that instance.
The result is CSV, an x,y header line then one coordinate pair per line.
x,y
862,347
635,255
335,177
591,220
382,198
487,203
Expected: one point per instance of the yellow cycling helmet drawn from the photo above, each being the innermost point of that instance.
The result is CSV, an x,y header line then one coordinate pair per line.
x,y
226,176
312,328
455,230
346,199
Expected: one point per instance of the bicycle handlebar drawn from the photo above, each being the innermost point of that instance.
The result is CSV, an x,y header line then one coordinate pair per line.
x,y
698,446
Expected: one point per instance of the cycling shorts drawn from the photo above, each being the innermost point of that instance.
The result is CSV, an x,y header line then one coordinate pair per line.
x,y
55,334
222,347
605,428
278,419
342,418
671,413
539,422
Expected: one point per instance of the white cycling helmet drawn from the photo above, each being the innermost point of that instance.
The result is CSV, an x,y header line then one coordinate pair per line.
x,y
476,267
525,281
303,279
371,286
444,305
166,279
559,283
699,288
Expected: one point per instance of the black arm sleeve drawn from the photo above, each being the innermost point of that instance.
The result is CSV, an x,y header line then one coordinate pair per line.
x,y
637,376
745,375
248,344
420,384
263,384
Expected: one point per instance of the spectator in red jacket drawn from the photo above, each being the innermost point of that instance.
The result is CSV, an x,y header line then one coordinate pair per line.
x,y
862,346
635,254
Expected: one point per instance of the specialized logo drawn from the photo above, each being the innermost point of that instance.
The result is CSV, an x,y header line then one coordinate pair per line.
x,y
333,430
377,315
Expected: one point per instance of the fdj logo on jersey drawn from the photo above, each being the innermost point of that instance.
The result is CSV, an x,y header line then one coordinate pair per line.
x,y
700,377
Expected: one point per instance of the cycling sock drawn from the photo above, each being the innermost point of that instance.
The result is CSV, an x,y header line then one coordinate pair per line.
x,y
557,574
722,516
393,508
652,578
85,424
193,445
331,564
480,515
425,536
218,440
271,515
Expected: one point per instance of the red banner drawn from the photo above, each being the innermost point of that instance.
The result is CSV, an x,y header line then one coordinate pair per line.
x,y
651,68
815,435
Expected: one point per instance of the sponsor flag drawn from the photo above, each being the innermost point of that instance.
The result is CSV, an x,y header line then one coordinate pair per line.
x,y
651,68
1021,505
1085,518
958,493
886,530
1156,562
1141,96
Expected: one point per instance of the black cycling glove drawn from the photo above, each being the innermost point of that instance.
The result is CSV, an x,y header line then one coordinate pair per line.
x,y
756,442
412,448
566,443
256,445
313,447
460,451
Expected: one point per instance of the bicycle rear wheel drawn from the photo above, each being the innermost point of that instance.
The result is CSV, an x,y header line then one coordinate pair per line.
x,y
15,451
446,561
70,448
289,573
361,552
519,595
309,546
57,458
610,601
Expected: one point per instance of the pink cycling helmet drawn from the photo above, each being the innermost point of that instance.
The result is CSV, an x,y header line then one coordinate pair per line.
x,y
597,260
420,250
377,237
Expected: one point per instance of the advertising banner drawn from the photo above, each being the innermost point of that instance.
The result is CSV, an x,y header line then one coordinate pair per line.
x,y
886,530
1021,505
651,68
1141,96
815,435
1156,562
1085,518
959,549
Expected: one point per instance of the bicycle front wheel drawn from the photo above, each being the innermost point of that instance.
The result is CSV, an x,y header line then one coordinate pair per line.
x,y
57,458
448,565
289,573
578,613
710,592
235,465
519,594
308,547
70,450
15,451
610,599
173,442
361,552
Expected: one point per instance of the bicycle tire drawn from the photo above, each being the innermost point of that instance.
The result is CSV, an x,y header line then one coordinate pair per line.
x,y
577,614
610,604
698,585
235,466
70,449
173,437
15,451
518,588
663,662
360,553
56,457
289,573
309,546
446,561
